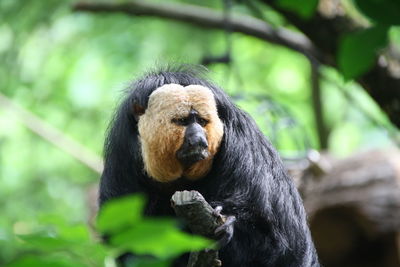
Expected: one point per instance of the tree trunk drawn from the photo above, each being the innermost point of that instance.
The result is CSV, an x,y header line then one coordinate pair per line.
x,y
354,210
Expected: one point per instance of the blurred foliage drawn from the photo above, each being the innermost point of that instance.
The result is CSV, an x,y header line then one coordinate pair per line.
x,y
382,12
358,51
305,10
70,70
58,244
126,229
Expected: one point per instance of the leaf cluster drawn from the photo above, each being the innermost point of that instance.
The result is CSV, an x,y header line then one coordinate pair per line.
x,y
153,241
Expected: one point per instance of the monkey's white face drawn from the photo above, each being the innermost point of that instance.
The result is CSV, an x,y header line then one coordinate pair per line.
x,y
162,130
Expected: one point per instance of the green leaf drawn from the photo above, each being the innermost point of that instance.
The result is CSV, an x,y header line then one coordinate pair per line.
x,y
357,51
158,237
381,11
139,262
304,9
71,240
120,213
45,261
75,233
46,243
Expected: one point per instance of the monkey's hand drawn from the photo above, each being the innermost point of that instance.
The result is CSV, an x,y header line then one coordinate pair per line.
x,y
224,233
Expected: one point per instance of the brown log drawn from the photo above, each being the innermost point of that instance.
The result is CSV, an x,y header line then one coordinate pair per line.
x,y
354,210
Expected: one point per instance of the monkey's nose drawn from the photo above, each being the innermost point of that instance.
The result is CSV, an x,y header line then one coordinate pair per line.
x,y
198,140
195,136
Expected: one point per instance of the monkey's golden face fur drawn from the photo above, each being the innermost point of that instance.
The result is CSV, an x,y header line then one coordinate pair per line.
x,y
161,138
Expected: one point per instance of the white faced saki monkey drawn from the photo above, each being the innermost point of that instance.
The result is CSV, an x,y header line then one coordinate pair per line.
x,y
176,130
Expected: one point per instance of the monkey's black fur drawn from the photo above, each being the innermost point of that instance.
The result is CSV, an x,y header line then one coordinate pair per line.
x,y
247,179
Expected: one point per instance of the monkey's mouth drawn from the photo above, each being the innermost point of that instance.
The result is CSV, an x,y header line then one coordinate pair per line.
x,y
191,155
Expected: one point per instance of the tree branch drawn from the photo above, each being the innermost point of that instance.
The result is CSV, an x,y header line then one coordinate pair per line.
x,y
208,18
202,220
53,135
318,106
324,32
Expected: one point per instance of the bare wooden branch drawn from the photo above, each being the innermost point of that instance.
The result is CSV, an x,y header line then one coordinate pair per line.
x,y
202,220
208,18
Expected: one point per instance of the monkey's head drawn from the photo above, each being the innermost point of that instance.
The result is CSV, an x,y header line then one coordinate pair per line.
x,y
180,132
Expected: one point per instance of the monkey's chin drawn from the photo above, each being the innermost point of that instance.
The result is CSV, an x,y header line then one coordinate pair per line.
x,y
188,157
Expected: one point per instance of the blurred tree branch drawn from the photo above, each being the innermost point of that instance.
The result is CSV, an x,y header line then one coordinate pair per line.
x,y
323,30
208,18
318,107
52,135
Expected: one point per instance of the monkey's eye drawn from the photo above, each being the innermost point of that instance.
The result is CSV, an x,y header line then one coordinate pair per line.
x,y
180,121
202,122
